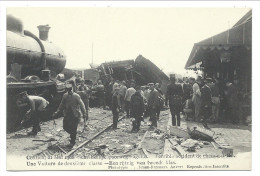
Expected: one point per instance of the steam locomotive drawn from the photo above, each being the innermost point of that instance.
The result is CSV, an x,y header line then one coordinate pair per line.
x,y
32,65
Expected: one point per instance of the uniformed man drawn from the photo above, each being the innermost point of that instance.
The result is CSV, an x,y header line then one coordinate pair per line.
x,y
174,94
37,106
72,107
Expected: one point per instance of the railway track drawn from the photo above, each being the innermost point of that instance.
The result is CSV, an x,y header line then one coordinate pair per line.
x,y
86,147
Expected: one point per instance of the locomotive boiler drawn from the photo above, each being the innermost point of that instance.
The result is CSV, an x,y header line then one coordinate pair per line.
x,y
32,65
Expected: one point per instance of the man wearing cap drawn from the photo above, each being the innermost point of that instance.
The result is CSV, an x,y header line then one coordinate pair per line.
x,y
84,93
206,101
101,94
153,104
37,106
115,107
137,108
130,91
174,94
72,107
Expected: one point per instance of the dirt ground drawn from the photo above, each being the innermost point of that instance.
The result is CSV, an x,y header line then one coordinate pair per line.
x,y
148,142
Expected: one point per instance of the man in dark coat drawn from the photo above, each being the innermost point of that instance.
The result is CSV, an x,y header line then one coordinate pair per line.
x,y
137,108
115,107
72,107
232,102
153,104
206,101
174,94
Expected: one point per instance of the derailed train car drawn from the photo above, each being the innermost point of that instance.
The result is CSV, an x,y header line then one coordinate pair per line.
x,y
142,70
31,63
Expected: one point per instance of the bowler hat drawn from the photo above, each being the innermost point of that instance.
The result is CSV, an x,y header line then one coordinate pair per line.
x,y
23,93
208,80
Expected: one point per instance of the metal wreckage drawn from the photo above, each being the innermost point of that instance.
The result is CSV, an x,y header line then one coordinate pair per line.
x,y
34,64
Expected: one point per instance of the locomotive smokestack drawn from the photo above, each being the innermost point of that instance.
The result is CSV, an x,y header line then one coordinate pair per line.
x,y
44,31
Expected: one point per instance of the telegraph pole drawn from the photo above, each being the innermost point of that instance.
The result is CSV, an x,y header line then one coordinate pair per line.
x,y
92,52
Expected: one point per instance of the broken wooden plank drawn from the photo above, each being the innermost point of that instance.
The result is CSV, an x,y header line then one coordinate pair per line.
x,y
61,149
140,144
167,150
87,141
214,145
180,150
177,147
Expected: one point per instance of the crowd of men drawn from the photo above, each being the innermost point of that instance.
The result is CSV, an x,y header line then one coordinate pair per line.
x,y
199,100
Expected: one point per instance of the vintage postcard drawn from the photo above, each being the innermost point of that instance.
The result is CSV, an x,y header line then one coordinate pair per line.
x,y
128,88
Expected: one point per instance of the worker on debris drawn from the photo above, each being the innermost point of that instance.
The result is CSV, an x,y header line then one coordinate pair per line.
x,y
130,91
206,101
72,107
84,93
174,94
153,104
196,98
115,107
37,106
137,109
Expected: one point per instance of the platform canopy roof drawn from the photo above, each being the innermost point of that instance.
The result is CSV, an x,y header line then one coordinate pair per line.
x,y
239,35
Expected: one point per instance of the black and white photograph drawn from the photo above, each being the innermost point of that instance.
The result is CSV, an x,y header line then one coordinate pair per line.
x,y
128,88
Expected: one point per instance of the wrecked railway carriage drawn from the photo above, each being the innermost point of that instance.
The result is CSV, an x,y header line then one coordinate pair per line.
x,y
142,70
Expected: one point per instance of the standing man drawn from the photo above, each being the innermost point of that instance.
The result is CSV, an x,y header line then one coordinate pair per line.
x,y
196,99
84,92
174,94
110,92
153,104
115,107
37,106
101,94
146,95
215,101
137,108
72,107
233,102
122,92
206,101
130,91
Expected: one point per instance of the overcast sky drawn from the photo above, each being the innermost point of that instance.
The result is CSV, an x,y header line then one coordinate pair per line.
x,y
163,35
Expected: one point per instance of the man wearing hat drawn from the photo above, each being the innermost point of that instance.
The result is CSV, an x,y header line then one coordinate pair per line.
x,y
137,108
115,107
72,107
37,106
84,92
206,101
174,94
153,104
